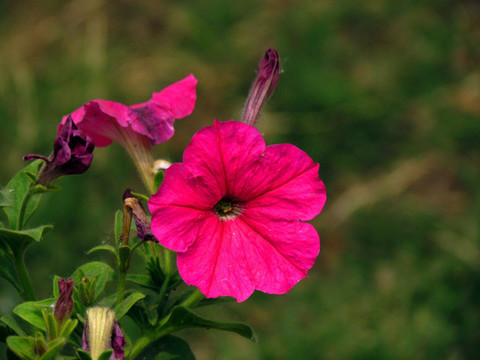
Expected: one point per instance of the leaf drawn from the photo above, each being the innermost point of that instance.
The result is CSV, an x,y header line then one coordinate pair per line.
x,y
31,311
105,247
83,355
105,355
182,318
96,271
15,194
22,346
12,324
118,225
56,291
16,240
158,178
168,348
142,280
122,308
7,270
53,347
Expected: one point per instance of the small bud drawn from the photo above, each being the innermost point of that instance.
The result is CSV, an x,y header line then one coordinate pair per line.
x,y
102,333
72,154
133,208
263,86
64,305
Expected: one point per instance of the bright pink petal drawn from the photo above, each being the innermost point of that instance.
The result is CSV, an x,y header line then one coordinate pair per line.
x,y
179,207
179,98
233,258
284,185
224,151
105,120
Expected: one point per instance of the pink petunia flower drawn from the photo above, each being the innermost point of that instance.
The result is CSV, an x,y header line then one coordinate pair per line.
x,y
234,212
137,127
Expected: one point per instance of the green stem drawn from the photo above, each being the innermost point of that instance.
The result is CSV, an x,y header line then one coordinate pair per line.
x,y
121,287
23,209
193,299
144,341
27,294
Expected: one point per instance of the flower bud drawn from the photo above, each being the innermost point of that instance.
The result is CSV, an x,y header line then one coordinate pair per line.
x,y
64,305
102,333
72,154
263,86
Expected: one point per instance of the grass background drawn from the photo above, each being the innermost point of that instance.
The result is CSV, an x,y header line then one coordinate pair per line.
x,y
384,94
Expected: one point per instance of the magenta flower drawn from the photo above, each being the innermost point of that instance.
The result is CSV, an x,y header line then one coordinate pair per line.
x,y
233,211
137,127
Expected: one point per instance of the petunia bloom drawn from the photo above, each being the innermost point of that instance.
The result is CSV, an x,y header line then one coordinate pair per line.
x,y
137,127
72,154
234,212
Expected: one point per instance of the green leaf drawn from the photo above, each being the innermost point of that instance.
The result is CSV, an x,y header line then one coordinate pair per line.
x,y
118,225
53,347
142,280
96,271
105,247
31,311
83,355
17,240
182,318
67,328
56,291
105,355
140,196
22,346
7,270
16,192
122,308
168,348
158,178
12,324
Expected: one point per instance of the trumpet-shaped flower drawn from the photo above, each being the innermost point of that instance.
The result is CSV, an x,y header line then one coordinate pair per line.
x,y
137,127
234,212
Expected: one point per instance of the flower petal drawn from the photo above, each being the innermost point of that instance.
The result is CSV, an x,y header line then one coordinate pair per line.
x,y
224,151
233,258
179,207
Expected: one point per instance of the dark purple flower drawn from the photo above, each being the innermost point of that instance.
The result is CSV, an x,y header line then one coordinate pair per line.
x,y
64,305
102,333
263,86
72,154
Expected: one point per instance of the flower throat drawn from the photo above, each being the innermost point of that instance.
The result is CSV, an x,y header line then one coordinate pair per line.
x,y
227,209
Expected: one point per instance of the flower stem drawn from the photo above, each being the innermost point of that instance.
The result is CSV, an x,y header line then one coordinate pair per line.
x,y
193,299
121,287
23,209
27,294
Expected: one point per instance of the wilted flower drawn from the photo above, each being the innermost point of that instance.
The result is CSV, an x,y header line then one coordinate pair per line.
x,y
233,211
263,86
64,305
72,154
102,333
137,127
132,208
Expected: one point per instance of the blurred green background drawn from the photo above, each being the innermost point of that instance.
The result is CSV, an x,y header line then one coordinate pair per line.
x,y
384,94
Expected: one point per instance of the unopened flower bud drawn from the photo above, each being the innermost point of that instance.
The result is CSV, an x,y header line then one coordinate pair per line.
x,y
72,154
64,305
133,208
263,86
102,333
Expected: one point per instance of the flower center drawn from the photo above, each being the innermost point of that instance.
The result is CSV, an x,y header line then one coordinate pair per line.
x,y
227,209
